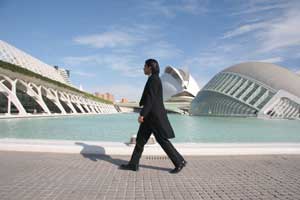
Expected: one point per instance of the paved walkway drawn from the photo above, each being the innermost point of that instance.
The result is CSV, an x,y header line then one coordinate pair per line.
x,y
74,176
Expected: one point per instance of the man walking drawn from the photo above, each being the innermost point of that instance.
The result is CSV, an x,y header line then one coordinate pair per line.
x,y
153,119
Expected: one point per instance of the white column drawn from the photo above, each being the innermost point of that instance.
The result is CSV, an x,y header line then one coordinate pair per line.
x,y
12,96
37,96
56,101
9,103
66,99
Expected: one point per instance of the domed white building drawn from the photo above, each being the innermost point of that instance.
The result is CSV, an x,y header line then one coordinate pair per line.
x,y
250,89
178,85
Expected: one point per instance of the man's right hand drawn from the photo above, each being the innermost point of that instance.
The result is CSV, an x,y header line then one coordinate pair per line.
x,y
141,119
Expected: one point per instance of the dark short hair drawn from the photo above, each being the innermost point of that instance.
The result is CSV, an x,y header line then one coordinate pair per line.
x,y
153,64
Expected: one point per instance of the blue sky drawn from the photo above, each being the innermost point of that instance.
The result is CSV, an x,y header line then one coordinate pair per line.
x,y
105,43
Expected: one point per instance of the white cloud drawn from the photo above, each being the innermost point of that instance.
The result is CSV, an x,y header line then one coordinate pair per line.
x,y
283,33
194,6
118,37
255,8
205,60
272,60
170,10
108,39
83,74
155,7
127,65
129,47
245,42
244,29
162,50
218,56
280,32
73,60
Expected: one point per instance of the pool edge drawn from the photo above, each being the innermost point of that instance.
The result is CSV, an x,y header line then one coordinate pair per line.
x,y
118,148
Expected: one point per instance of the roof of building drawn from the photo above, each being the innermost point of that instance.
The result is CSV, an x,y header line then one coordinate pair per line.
x,y
184,80
272,75
11,54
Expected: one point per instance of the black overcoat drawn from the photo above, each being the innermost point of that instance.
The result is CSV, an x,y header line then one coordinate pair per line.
x,y
153,110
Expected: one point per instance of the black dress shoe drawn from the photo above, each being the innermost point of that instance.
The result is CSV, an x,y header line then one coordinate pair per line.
x,y
178,168
129,167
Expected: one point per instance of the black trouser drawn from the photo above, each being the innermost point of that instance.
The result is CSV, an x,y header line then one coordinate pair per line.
x,y
143,135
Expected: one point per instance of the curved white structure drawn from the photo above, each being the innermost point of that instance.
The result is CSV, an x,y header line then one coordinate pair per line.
x,y
178,84
22,95
250,89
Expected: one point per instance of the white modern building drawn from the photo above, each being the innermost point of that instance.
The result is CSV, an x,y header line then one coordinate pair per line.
x,y
179,89
10,54
29,86
250,89
178,85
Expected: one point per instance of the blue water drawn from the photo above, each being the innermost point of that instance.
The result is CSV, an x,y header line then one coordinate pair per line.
x,y
120,127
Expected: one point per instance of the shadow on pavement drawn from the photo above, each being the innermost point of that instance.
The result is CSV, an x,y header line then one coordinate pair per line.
x,y
95,153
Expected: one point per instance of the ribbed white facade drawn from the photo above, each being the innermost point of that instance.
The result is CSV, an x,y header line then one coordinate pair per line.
x,y
9,53
250,89
23,95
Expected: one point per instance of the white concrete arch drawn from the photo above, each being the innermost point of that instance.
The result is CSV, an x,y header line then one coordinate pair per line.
x,y
53,95
11,95
75,99
65,98
37,96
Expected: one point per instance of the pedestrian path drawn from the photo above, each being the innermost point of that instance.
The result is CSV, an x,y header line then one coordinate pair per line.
x,y
31,176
